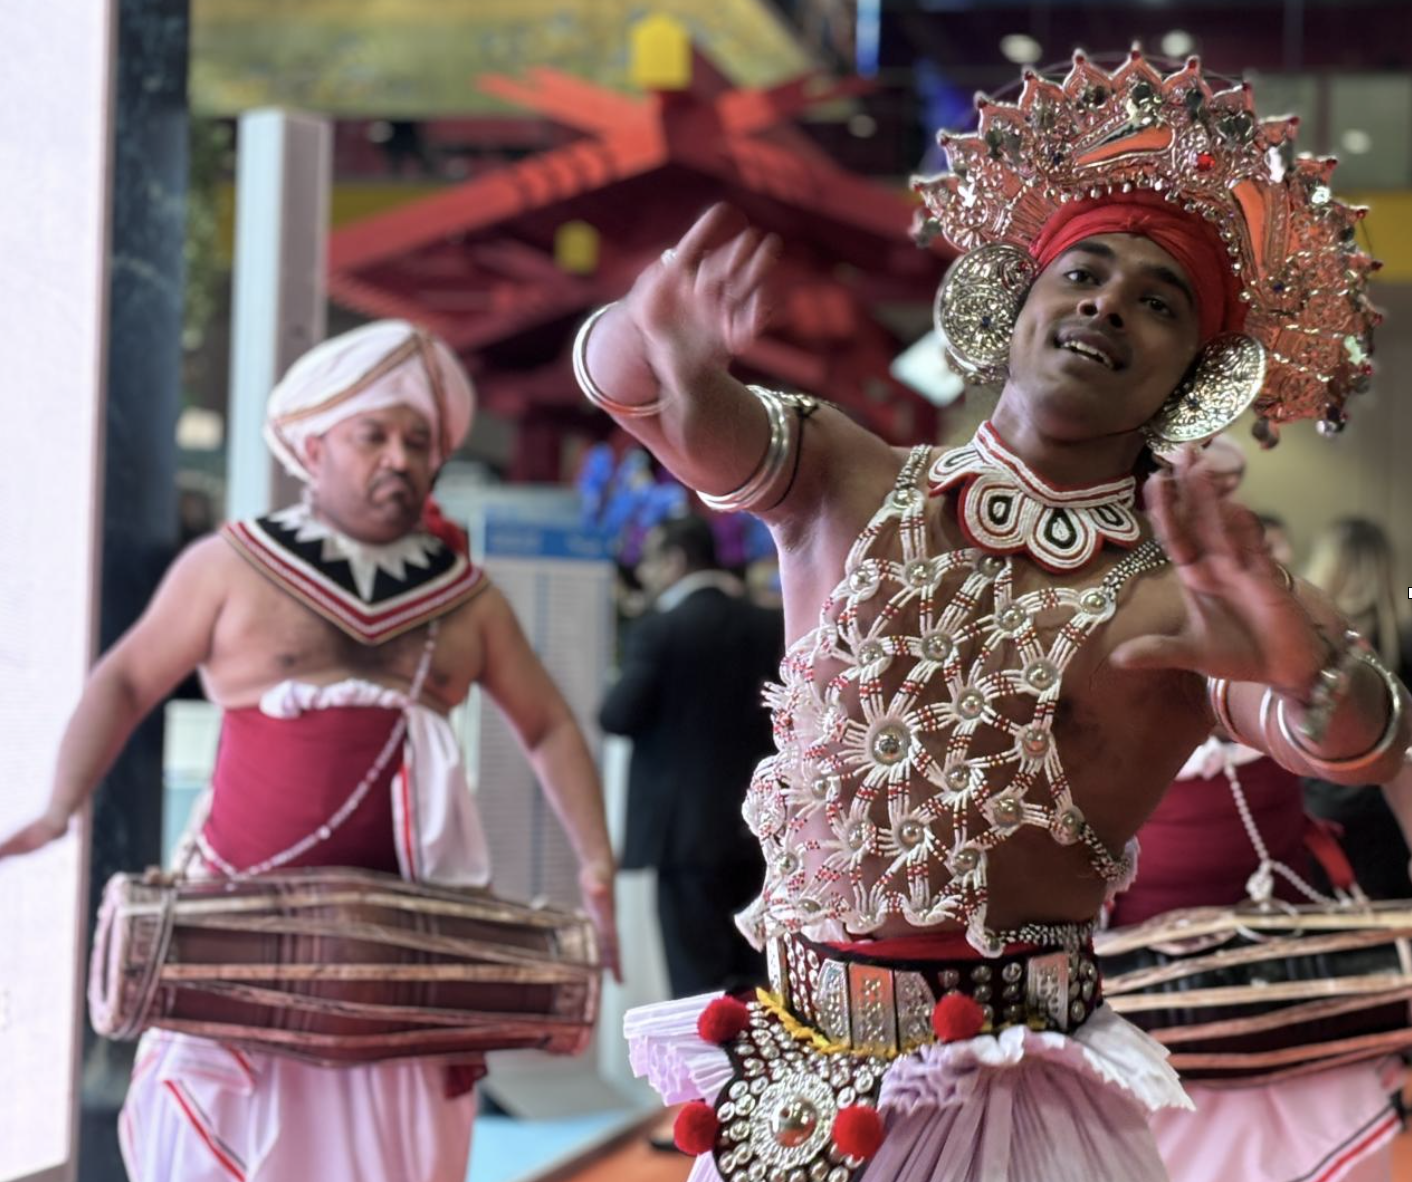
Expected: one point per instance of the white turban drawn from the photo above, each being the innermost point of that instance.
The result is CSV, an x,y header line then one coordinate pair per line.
x,y
386,363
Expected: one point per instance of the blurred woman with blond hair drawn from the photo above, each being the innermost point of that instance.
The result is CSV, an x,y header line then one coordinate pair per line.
x,y
1352,561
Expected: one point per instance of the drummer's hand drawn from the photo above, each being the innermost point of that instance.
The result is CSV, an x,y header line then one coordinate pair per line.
x,y
703,302
596,886
33,836
1243,619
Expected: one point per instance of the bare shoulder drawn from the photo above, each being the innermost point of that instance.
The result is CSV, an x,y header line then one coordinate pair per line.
x,y
486,609
204,572
1153,599
472,633
844,470
210,554
176,632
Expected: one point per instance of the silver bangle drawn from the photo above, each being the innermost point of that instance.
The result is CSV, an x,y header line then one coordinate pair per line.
x,y
1218,694
1266,702
1374,753
591,389
1330,686
770,465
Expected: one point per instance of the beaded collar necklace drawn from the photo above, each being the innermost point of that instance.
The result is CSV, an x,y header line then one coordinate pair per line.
x,y
1005,507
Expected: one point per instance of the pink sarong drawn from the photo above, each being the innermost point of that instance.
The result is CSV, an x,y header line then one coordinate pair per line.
x,y
1334,1126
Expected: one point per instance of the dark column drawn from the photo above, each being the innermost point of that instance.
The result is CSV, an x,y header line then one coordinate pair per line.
x,y
139,508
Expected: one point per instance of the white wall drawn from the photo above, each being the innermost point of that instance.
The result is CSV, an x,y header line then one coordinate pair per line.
x,y
55,120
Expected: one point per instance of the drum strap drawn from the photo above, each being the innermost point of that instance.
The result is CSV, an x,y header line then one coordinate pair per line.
x,y
355,798
1322,843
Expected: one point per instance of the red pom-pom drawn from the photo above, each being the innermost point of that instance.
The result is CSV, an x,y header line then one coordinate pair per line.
x,y
956,1017
857,1131
695,1128
722,1020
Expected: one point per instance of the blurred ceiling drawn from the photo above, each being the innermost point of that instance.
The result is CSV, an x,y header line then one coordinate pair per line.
x,y
1284,36
419,59
401,76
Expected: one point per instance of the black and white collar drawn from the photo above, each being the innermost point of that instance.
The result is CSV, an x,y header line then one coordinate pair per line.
x,y
1004,507
372,593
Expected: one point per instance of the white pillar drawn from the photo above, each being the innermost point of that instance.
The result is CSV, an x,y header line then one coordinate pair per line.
x,y
283,170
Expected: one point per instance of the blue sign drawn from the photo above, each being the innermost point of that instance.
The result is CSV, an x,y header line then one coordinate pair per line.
x,y
513,536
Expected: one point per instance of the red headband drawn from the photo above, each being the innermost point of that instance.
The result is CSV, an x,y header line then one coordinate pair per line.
x,y
1191,240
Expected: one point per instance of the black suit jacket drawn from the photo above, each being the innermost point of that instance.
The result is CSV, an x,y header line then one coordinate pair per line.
x,y
689,698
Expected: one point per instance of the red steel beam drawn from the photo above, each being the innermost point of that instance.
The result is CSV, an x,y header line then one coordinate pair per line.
x,y
568,100
488,200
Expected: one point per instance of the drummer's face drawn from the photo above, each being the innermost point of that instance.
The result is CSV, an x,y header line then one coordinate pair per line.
x,y
372,473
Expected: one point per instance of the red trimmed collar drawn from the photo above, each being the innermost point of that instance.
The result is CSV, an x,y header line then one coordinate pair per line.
x,y
1005,507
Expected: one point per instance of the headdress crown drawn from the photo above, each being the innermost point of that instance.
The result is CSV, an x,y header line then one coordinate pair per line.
x,y
1093,135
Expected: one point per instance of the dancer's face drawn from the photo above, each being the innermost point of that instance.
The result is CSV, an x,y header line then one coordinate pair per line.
x,y
1108,331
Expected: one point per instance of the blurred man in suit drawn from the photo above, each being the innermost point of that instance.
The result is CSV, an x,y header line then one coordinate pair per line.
x,y
689,698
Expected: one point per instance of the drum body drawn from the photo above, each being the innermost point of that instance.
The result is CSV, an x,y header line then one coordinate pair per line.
x,y
1246,994
338,966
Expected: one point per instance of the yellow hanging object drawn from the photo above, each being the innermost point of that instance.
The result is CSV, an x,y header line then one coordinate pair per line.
x,y
576,248
661,53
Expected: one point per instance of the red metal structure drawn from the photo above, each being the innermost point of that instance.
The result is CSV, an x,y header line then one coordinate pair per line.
x,y
476,262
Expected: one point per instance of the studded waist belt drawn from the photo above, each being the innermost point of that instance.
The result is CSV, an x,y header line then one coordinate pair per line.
x,y
884,1006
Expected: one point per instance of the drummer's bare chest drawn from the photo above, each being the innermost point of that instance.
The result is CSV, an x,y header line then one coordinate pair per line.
x,y
265,636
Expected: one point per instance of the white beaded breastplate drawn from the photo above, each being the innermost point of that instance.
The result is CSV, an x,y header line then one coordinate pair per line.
x,y
914,732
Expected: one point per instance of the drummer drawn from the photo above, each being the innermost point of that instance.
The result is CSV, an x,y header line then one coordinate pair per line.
x,y
336,634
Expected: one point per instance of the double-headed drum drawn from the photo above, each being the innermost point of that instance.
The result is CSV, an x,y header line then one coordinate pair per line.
x,y
341,966
1246,993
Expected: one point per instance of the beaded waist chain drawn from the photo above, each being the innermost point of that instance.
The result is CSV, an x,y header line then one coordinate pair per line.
x,y
885,1006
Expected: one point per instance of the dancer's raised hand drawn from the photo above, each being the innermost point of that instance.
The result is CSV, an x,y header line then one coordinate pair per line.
x,y
703,302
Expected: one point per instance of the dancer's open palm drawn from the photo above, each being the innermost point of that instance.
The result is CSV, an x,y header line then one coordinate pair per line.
x,y
1243,620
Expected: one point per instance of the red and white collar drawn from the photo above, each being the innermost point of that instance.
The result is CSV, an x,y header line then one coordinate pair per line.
x,y
372,593
1006,508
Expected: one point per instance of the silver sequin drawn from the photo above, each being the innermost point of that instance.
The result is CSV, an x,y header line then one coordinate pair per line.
x,y
970,704
1013,618
938,646
1041,675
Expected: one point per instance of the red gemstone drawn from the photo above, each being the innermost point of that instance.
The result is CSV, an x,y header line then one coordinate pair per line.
x,y
1205,162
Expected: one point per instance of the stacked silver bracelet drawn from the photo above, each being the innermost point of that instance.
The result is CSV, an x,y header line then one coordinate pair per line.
x,y
1351,763
591,389
777,407
1331,687
771,464
1218,690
